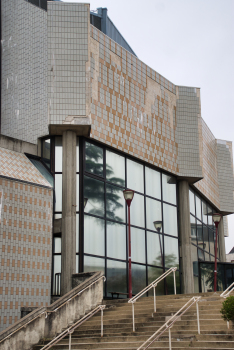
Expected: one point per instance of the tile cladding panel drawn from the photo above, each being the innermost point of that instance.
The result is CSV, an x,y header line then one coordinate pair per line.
x,y
24,70
25,248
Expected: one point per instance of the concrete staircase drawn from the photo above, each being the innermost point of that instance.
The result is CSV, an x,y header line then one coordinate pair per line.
x,y
118,332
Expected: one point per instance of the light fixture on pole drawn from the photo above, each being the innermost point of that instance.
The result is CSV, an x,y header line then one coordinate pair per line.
x,y
128,196
216,219
158,226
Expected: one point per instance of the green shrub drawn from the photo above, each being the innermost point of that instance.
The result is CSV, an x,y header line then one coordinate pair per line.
x,y
227,310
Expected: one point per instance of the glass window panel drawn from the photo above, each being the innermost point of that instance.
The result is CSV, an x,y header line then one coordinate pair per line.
x,y
199,234
204,212
43,4
153,212
57,244
211,240
194,259
138,278
198,208
153,274
77,155
77,192
94,235
206,238
116,277
46,152
115,168
192,202
207,279
43,170
201,255
207,256
170,220
169,188
77,233
92,264
57,275
57,215
196,284
115,203
229,275
154,249
116,240
94,192
209,214
58,192
77,263
135,179
58,154
212,258
93,159
137,211
171,252
138,245
153,183
169,283
193,229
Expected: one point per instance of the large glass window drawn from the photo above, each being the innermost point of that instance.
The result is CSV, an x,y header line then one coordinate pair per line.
x,y
135,177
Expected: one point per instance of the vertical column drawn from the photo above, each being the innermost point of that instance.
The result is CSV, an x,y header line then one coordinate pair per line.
x,y
221,241
185,238
68,211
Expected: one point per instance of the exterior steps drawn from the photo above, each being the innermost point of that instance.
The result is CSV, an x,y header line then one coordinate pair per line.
x,y
118,333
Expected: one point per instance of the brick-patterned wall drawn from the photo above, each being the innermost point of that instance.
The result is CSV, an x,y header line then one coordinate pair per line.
x,y
24,70
25,248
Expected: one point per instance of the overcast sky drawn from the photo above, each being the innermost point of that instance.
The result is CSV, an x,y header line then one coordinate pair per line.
x,y
191,43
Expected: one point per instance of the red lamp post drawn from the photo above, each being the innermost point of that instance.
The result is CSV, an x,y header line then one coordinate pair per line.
x,y
128,196
216,219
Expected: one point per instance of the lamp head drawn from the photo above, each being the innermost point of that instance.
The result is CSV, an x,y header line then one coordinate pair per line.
x,y
157,225
216,218
128,196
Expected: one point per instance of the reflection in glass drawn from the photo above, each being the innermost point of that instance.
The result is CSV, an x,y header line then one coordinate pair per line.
x,y
138,245
211,239
153,212
77,154
94,191
193,229
137,211
206,238
169,188
46,152
171,252
58,192
77,263
135,179
116,277
209,214
77,233
58,154
204,212
94,239
115,168
116,240
93,159
153,183
194,259
170,220
196,284
207,277
198,208
192,202
153,274
199,234
115,203
57,215
138,278
57,276
201,255
77,192
154,248
57,244
92,264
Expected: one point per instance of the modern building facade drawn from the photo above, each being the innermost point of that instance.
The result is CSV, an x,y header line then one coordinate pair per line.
x,y
82,119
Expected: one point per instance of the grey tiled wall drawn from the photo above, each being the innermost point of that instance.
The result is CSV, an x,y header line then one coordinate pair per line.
x,y
24,70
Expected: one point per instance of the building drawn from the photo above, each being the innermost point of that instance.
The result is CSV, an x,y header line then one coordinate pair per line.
x,y
82,119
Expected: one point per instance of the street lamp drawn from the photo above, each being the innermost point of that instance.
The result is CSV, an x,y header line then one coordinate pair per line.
x,y
216,219
158,226
128,196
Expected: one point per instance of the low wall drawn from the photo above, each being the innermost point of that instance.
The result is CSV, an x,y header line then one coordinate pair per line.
x,y
42,327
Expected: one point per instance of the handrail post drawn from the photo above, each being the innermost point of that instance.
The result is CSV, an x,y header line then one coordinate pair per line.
x,y
101,322
154,300
133,320
169,338
69,341
174,283
198,321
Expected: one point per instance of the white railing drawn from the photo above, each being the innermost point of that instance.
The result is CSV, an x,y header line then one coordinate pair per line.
x,y
150,286
71,329
170,322
227,291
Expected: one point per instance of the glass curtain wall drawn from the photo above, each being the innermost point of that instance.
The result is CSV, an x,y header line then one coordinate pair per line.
x,y
202,234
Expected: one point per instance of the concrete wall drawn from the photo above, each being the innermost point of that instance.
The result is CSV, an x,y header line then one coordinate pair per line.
x,y
24,70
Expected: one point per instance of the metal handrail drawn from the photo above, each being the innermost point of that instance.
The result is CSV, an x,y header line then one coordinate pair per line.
x,y
71,329
49,312
146,289
170,322
226,293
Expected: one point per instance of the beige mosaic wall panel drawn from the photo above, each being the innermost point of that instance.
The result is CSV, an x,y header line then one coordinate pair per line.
x,y
25,248
133,108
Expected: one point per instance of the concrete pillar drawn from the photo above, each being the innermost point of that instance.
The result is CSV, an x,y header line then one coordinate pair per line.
x,y
221,241
68,211
185,238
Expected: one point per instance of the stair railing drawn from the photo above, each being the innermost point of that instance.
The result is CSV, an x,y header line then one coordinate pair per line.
x,y
170,323
71,329
227,291
150,286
